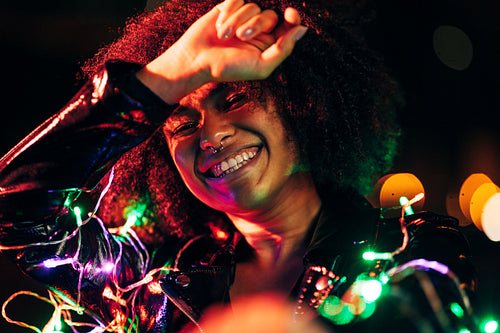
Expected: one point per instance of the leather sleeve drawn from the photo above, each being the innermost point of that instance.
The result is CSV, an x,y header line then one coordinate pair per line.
x,y
73,150
67,154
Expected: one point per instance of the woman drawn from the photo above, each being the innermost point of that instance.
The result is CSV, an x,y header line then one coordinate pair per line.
x,y
245,135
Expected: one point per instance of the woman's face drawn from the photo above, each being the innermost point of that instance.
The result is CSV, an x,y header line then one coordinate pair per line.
x,y
255,168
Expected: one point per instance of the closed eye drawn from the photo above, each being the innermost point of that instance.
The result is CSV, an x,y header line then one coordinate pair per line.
x,y
235,101
186,128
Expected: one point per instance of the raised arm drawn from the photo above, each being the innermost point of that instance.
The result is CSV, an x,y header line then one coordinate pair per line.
x,y
234,41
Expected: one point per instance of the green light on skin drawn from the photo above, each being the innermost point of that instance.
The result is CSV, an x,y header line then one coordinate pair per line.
x,y
404,201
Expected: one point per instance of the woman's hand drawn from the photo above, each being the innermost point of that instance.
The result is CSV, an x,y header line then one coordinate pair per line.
x,y
234,41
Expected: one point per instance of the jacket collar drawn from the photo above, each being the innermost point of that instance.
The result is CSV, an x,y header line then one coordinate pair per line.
x,y
343,226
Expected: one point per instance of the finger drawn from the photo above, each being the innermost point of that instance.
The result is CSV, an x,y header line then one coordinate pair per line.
x,y
291,19
281,49
292,16
243,14
226,9
261,23
262,41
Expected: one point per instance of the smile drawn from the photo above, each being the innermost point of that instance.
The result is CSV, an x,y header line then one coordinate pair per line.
x,y
233,163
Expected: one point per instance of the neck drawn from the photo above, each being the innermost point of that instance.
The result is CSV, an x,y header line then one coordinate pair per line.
x,y
277,234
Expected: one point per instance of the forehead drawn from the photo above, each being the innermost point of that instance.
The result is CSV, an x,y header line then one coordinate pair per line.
x,y
206,92
214,91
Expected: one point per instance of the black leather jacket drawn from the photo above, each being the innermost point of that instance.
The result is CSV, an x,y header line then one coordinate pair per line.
x,y
74,149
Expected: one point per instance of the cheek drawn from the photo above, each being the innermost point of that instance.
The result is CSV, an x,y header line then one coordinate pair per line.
x,y
182,157
183,160
182,165
283,143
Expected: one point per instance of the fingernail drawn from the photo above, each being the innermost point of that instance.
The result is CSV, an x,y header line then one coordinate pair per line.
x,y
247,33
300,33
227,33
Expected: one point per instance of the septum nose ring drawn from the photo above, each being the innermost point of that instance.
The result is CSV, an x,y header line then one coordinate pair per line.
x,y
216,150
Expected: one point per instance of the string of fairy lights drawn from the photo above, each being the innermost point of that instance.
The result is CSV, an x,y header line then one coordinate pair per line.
x,y
65,306
358,303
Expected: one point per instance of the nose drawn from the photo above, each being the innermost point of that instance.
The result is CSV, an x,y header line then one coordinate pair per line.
x,y
214,130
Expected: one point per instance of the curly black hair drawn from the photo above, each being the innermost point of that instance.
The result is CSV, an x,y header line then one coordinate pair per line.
x,y
333,93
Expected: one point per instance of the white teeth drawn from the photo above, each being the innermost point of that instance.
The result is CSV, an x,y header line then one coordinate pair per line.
x,y
232,164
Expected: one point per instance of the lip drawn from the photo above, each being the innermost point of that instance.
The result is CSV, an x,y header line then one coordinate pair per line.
x,y
206,168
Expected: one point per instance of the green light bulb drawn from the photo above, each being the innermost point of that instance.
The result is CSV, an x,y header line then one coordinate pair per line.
x,y
457,310
403,201
490,326
131,220
371,290
78,215
370,255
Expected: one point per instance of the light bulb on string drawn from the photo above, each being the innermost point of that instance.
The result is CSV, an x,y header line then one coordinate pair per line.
x,y
404,201
131,220
490,326
490,218
480,202
371,256
78,214
391,189
371,290
457,310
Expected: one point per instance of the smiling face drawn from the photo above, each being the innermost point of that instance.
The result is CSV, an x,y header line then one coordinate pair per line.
x,y
255,169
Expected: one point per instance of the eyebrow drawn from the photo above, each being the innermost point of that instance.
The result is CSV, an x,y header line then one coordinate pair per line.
x,y
178,111
219,89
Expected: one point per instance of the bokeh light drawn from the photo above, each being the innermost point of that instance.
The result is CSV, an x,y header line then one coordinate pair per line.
x,y
371,290
453,47
490,326
491,218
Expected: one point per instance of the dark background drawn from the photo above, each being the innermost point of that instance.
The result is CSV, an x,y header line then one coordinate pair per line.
x,y
452,119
